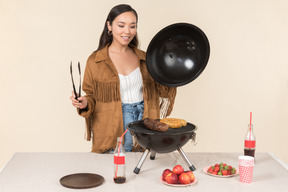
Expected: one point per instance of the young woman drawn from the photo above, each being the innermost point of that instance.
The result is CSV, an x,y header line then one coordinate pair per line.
x,y
118,87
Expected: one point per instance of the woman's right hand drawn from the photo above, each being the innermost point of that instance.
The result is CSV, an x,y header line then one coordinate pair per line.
x,y
80,103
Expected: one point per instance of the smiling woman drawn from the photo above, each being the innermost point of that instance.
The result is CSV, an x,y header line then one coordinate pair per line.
x,y
118,87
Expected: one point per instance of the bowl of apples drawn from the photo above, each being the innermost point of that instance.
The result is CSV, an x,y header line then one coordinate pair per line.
x,y
178,177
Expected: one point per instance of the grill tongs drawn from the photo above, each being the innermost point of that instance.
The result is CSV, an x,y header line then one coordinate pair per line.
x,y
74,89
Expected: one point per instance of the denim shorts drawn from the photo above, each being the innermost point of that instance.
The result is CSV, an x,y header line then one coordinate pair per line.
x,y
131,112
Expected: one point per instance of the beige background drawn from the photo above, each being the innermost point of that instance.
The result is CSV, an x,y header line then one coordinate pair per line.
x,y
247,71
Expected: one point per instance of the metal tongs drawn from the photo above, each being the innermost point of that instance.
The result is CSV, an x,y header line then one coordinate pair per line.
x,y
74,89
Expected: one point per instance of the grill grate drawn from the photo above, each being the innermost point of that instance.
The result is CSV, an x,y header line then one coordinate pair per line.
x,y
139,127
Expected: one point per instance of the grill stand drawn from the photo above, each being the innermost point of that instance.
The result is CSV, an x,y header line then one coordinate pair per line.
x,y
141,161
191,167
152,157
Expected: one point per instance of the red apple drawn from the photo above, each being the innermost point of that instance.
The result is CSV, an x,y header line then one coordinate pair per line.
x,y
171,178
184,178
165,172
191,174
178,169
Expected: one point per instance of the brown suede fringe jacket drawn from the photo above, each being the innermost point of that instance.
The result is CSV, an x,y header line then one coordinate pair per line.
x,y
103,115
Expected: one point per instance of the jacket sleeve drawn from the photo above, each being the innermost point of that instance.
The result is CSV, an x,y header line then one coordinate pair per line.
x,y
88,88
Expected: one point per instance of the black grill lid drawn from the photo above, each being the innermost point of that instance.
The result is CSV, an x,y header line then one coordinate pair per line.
x,y
177,54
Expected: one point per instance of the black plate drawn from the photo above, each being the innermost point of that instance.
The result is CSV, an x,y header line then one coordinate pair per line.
x,y
81,180
177,54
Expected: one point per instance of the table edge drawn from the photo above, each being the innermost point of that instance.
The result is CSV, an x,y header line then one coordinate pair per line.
x,y
281,162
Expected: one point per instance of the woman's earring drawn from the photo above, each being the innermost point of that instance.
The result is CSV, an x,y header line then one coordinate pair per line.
x,y
109,33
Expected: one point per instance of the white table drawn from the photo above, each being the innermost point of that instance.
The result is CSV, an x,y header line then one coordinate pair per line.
x,y
40,172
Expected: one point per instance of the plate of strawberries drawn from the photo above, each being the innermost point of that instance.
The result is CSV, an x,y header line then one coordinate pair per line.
x,y
220,170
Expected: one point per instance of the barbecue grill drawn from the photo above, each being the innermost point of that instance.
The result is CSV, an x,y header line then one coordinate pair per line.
x,y
176,56
162,142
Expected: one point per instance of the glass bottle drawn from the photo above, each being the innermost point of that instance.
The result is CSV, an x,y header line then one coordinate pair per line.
x,y
250,142
119,162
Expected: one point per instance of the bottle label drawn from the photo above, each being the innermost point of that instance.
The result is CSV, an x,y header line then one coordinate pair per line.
x,y
119,160
250,144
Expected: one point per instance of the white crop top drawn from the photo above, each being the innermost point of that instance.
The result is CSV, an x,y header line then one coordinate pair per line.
x,y
131,87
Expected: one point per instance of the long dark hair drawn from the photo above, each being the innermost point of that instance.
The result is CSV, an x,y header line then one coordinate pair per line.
x,y
115,11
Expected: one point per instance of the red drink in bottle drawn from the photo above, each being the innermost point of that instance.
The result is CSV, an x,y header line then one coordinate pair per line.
x,y
250,142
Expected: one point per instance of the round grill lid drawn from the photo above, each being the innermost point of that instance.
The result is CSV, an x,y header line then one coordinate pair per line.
x,y
177,54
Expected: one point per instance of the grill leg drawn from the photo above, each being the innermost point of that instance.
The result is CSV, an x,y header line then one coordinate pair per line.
x,y
141,161
152,156
191,167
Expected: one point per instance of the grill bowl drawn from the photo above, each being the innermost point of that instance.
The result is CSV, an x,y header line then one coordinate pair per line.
x,y
162,142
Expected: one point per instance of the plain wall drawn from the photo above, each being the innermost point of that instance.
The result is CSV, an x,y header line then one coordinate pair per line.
x,y
247,71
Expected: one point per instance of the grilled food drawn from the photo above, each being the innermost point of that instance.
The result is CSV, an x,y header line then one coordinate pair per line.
x,y
155,125
174,122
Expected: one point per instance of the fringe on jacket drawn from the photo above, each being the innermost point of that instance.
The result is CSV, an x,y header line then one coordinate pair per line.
x,y
110,91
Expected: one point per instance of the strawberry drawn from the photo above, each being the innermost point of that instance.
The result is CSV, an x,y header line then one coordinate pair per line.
x,y
217,169
224,172
210,170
